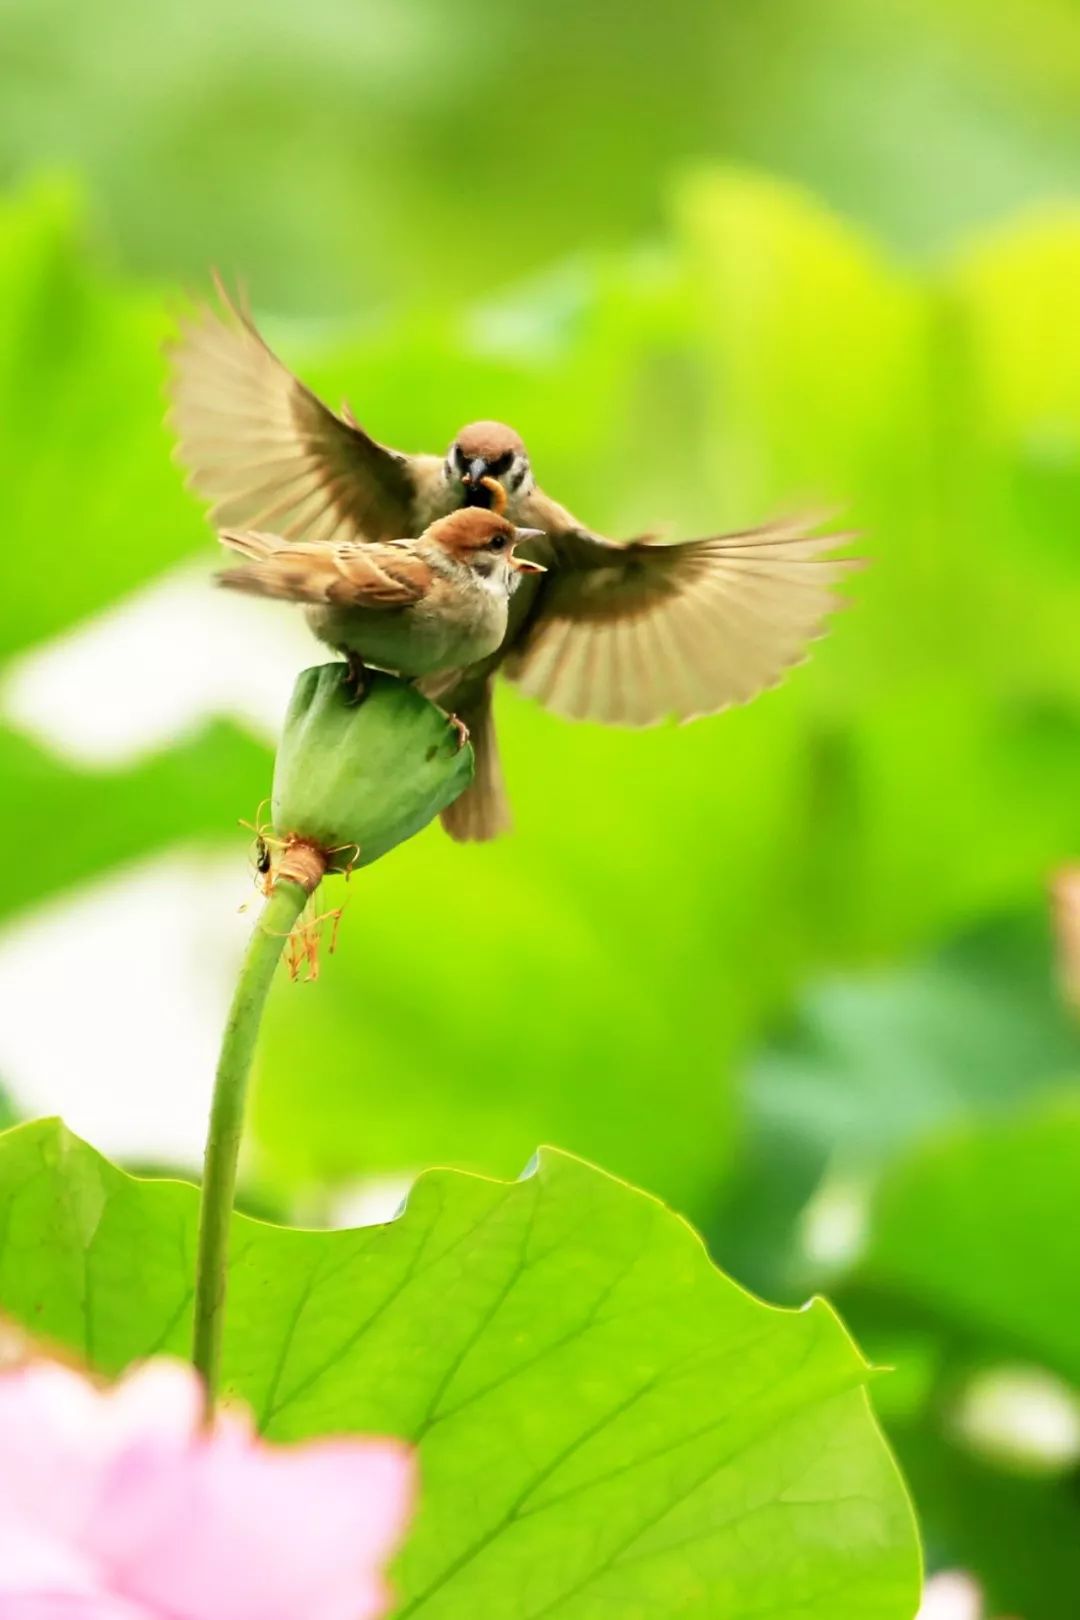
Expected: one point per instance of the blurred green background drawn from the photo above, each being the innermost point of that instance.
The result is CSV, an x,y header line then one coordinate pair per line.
x,y
791,968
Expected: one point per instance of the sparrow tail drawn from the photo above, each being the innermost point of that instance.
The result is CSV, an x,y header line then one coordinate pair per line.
x,y
482,811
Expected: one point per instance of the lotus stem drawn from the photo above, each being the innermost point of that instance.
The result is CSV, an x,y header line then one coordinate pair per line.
x,y
297,878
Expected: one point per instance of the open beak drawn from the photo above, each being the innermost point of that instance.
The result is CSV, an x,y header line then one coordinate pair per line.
x,y
476,472
522,564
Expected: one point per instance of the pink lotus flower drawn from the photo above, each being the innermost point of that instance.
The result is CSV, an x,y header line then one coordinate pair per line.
x,y
116,1505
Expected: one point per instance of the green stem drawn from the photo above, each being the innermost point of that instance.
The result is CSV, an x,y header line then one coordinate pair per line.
x,y
227,1119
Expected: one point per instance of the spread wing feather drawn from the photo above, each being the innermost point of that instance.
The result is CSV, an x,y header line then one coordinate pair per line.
x,y
631,634
265,451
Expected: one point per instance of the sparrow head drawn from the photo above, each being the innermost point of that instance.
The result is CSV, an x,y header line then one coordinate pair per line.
x,y
488,450
484,541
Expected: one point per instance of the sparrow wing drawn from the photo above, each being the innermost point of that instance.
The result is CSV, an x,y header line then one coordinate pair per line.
x,y
345,573
265,451
630,634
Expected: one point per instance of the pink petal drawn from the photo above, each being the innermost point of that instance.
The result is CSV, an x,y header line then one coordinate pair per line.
x,y
243,1531
35,1560
47,1606
162,1399
53,1442
117,1505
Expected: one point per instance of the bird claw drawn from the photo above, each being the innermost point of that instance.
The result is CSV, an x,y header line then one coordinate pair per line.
x,y
462,730
356,680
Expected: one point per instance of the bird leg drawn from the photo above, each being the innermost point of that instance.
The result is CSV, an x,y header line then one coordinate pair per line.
x,y
357,678
462,730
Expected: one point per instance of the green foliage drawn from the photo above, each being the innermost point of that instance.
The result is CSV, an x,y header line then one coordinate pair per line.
x,y
834,863
71,824
603,1419
1005,1193
1021,1535
972,1248
930,1100
357,152
91,505
874,1063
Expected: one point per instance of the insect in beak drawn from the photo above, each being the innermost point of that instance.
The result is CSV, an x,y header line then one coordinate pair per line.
x,y
498,493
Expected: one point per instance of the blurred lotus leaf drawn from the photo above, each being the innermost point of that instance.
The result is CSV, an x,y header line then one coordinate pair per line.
x,y
876,1062
973,1238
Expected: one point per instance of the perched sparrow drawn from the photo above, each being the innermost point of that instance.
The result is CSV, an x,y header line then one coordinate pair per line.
x,y
411,606
626,634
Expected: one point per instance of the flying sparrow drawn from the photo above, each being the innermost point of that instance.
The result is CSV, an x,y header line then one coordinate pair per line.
x,y
628,634
414,607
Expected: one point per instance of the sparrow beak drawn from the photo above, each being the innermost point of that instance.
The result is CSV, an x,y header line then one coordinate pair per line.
x,y
522,564
476,472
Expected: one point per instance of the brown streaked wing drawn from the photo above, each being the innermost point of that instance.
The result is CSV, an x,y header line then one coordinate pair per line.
x,y
265,451
632,634
345,573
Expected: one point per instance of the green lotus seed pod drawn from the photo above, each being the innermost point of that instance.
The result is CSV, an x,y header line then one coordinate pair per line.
x,y
354,778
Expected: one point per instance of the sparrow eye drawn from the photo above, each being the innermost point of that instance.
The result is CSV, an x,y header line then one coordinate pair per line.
x,y
497,542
